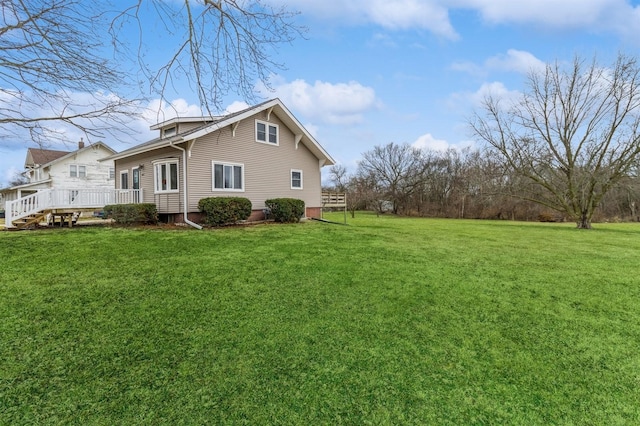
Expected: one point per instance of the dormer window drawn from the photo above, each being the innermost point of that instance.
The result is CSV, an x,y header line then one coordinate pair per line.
x,y
169,131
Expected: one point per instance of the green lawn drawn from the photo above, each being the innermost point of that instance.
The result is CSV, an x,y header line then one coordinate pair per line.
x,y
385,321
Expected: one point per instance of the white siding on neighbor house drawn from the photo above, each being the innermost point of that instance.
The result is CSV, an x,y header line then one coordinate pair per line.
x,y
97,173
57,174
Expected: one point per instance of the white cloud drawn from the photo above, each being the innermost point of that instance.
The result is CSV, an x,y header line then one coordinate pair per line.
x,y
566,13
235,107
496,90
430,143
427,141
617,16
339,103
157,111
514,60
464,102
394,15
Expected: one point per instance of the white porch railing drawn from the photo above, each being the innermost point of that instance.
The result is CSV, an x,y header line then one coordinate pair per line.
x,y
49,199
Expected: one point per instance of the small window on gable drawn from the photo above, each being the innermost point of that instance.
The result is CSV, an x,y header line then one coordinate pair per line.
x,y
267,132
296,179
169,131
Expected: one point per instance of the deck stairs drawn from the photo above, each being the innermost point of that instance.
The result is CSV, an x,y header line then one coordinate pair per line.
x,y
31,221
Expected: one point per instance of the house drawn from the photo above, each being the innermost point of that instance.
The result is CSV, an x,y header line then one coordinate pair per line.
x,y
259,153
47,169
60,184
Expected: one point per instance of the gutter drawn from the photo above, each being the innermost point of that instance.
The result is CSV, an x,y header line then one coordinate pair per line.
x,y
184,183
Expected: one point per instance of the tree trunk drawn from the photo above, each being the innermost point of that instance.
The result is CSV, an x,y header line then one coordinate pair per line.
x,y
584,222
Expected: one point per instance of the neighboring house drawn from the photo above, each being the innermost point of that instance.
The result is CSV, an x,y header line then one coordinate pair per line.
x,y
49,169
259,153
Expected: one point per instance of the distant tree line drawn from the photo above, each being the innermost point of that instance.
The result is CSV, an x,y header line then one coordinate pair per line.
x,y
567,149
473,184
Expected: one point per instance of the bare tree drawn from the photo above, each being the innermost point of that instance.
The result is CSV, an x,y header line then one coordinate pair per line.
x,y
18,179
339,177
397,168
53,50
223,45
573,134
49,51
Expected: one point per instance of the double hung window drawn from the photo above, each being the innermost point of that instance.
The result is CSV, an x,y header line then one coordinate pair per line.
x,y
76,171
266,132
228,176
296,179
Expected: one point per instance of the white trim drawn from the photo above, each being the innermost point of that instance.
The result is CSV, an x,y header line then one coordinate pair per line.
x,y
225,164
164,160
177,120
267,126
301,179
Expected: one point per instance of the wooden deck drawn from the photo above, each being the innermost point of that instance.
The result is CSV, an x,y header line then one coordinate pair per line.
x,y
64,203
337,200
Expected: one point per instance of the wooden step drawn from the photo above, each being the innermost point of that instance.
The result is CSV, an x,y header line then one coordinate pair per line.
x,y
26,222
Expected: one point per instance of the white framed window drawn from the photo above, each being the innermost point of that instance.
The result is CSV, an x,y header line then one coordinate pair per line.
x,y
77,171
267,132
296,179
227,176
124,179
112,172
165,174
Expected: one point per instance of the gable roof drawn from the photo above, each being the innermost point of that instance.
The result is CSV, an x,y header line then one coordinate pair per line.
x,y
46,157
42,156
275,105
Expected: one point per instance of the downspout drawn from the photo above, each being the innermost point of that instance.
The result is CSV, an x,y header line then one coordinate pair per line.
x,y
184,184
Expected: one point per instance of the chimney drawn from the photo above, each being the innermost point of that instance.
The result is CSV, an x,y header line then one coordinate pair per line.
x,y
81,144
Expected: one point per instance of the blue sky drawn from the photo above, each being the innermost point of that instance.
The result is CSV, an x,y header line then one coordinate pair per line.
x,y
370,72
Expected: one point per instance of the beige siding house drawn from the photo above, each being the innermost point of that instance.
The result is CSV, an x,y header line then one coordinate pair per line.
x,y
259,153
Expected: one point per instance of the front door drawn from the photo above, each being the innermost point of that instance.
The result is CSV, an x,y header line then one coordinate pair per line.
x,y
136,185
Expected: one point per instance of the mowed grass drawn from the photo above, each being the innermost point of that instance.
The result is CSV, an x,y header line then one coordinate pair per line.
x,y
385,321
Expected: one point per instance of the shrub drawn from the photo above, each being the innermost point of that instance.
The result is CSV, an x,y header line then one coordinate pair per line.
x,y
128,214
285,209
549,217
225,210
